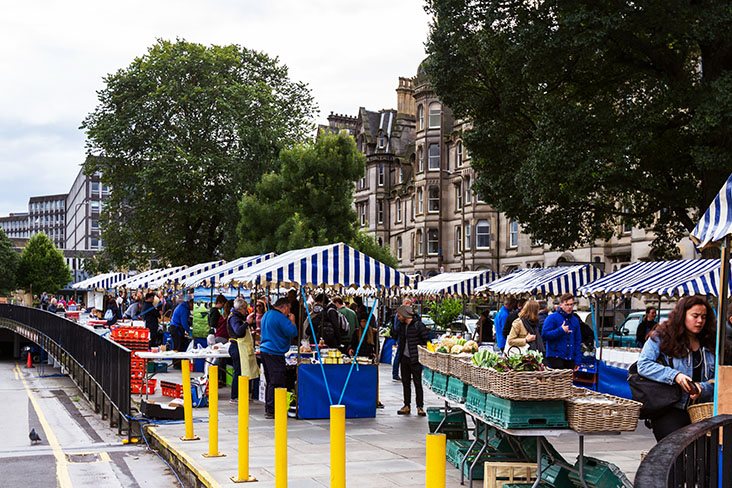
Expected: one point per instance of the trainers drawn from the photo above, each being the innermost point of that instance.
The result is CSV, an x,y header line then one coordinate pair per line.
x,y
268,415
396,379
234,401
404,410
421,412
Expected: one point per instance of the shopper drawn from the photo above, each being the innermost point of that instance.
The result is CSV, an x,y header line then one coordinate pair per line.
x,y
509,303
214,314
277,330
395,364
112,313
685,344
511,318
254,319
562,335
151,316
180,325
326,323
368,344
646,325
525,333
485,327
412,333
238,330
351,318
294,305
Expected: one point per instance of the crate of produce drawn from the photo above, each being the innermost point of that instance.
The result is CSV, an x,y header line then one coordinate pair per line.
x,y
500,473
427,358
170,389
588,411
157,367
511,414
600,474
552,384
456,390
439,383
427,378
475,401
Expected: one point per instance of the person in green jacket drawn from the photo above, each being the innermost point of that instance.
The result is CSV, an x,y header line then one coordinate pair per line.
x,y
351,318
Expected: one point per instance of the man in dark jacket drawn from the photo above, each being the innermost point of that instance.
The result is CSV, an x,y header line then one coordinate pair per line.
x,y
326,322
512,316
151,315
412,333
214,314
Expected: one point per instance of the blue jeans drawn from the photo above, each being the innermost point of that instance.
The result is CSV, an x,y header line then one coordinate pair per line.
x,y
395,363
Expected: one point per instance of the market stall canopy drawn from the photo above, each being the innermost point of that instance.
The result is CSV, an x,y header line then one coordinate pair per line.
x,y
660,278
213,277
544,282
459,283
143,280
102,281
332,265
178,278
716,224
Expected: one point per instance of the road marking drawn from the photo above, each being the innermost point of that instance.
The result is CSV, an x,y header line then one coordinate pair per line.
x,y
62,468
16,374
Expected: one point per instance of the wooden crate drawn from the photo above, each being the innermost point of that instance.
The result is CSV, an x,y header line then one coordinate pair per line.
x,y
497,474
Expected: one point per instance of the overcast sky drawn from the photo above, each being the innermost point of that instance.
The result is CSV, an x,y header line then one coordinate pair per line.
x,y
55,54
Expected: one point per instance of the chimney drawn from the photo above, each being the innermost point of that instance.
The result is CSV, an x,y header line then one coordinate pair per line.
x,y
405,97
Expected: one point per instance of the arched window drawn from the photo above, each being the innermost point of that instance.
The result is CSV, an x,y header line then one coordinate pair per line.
x,y
420,200
420,159
382,140
483,234
420,117
433,199
399,248
434,156
435,116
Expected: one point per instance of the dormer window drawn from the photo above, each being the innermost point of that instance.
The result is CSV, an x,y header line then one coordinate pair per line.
x,y
382,140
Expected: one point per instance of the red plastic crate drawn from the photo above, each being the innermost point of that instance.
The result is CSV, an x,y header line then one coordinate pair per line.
x,y
170,389
137,374
138,387
137,363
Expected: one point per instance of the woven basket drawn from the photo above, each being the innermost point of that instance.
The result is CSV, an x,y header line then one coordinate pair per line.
x,y
442,363
479,378
458,366
621,416
553,384
426,358
700,411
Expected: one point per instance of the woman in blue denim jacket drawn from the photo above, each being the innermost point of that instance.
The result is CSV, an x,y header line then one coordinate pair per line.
x,y
687,343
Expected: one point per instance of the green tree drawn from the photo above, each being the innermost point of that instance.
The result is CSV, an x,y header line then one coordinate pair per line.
x,y
444,312
586,115
179,135
42,266
9,259
309,202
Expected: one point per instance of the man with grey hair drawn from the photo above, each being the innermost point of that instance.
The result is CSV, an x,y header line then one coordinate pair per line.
x,y
277,330
236,326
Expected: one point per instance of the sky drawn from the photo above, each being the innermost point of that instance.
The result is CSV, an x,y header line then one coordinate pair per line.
x,y
56,54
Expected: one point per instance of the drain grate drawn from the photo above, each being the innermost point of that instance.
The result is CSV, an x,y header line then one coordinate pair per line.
x,y
91,457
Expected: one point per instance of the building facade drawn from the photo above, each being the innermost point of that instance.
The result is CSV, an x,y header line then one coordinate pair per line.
x,y
47,214
84,203
15,225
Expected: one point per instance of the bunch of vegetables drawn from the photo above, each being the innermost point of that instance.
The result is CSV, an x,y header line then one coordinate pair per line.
x,y
452,345
528,361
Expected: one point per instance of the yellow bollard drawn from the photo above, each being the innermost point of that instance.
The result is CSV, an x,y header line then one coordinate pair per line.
x,y
243,476
213,413
435,461
337,446
280,437
187,402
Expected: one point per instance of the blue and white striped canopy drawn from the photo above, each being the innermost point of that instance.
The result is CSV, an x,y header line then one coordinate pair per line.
x,y
143,280
178,278
716,223
102,281
213,277
663,278
544,282
461,283
333,265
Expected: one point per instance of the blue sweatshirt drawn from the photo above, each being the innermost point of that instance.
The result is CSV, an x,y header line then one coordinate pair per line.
x,y
180,317
277,330
499,323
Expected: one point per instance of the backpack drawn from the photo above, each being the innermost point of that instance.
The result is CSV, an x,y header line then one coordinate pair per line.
x,y
343,324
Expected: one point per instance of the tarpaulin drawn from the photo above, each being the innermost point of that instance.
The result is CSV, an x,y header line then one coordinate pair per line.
x,y
359,398
612,380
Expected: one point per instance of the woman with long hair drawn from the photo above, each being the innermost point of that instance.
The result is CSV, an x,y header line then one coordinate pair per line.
x,y
368,346
685,343
525,333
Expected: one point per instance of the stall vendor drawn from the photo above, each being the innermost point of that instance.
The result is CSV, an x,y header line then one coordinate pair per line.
x,y
277,330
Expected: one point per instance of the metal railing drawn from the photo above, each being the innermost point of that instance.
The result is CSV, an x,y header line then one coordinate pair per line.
x,y
690,457
99,366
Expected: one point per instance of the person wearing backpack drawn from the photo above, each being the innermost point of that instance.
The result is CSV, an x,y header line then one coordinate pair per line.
x,y
327,322
351,322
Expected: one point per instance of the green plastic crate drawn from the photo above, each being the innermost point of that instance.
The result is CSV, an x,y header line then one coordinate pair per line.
x,y
510,414
475,401
455,450
600,474
439,383
526,485
549,454
455,427
456,390
427,378
479,469
556,476
157,367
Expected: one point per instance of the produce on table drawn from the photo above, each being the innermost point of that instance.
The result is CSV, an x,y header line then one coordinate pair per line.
x,y
528,361
452,345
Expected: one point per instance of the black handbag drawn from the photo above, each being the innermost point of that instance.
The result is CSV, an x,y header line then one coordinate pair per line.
x,y
655,396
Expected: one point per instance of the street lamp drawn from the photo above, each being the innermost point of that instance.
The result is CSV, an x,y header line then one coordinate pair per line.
x,y
462,211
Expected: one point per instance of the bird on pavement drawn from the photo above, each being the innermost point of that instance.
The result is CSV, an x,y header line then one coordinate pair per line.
x,y
34,437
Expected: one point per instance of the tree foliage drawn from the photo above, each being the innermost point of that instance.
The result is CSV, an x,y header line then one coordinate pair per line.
x,y
445,312
42,266
587,115
308,202
9,260
179,135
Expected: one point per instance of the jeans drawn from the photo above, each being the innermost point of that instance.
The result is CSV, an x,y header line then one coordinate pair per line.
x,y
395,363
274,374
234,353
672,420
412,371
559,363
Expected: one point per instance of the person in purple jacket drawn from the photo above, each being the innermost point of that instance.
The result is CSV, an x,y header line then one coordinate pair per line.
x,y
277,330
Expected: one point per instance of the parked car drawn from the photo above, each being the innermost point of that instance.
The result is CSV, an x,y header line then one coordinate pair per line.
x,y
624,335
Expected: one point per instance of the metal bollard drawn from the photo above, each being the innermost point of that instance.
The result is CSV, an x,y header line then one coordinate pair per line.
x,y
435,472
338,446
243,476
280,422
187,402
213,413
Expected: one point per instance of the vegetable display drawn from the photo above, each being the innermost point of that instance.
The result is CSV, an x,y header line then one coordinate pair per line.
x,y
528,361
453,345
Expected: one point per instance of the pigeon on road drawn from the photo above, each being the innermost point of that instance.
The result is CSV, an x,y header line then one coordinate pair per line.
x,y
34,437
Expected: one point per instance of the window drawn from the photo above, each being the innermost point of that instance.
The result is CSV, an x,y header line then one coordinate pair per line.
x,y
459,153
468,193
513,234
94,243
380,211
94,207
381,175
401,175
105,189
435,112
420,117
362,183
382,140
434,156
420,242
420,200
433,199
412,212
380,241
48,205
94,224
458,196
483,234
362,214
398,210
420,159
399,248
432,242
467,235
458,239
95,188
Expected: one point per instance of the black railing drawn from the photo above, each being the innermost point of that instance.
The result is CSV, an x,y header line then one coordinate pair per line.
x,y
99,366
691,457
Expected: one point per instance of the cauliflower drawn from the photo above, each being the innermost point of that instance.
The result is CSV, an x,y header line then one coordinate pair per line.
x,y
448,342
456,349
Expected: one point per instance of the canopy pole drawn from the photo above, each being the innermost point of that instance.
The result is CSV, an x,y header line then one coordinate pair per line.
x,y
353,363
317,350
722,316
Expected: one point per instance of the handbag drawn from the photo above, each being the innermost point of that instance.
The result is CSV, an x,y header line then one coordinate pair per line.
x,y
515,350
655,396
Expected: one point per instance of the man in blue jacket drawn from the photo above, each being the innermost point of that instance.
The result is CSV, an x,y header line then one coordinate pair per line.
x,y
509,303
277,330
562,335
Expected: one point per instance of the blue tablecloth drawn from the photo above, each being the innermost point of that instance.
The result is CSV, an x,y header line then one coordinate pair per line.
x,y
612,380
359,399
386,351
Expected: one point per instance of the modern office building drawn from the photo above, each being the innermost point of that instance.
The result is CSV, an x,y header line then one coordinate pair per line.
x,y
47,214
84,204
15,225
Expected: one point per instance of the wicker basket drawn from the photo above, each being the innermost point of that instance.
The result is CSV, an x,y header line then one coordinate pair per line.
x,y
700,411
479,378
553,384
621,416
426,357
458,366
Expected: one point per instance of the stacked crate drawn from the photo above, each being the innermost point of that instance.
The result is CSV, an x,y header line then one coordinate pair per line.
x,y
135,339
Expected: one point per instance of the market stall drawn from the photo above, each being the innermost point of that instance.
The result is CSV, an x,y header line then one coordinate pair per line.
x,y
543,282
335,266
96,287
175,280
212,278
143,280
462,283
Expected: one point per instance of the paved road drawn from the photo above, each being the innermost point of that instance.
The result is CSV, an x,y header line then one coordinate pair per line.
x,y
77,450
